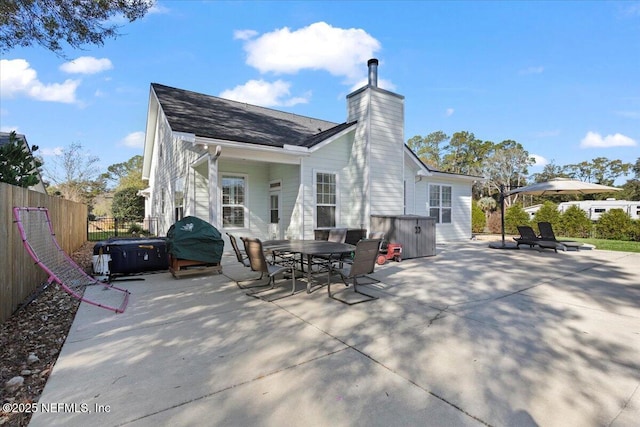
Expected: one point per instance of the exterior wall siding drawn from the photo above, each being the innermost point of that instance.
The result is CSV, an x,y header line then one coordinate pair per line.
x,y
333,158
386,165
460,226
256,196
289,176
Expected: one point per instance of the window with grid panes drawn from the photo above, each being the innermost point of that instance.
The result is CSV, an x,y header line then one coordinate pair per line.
x,y
326,199
233,201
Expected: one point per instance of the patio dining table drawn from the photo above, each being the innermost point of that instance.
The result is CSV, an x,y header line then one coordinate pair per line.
x,y
310,249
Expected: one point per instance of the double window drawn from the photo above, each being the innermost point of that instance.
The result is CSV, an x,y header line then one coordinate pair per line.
x,y
233,201
440,203
326,200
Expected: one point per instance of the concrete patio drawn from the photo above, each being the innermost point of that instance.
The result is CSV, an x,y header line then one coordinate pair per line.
x,y
472,336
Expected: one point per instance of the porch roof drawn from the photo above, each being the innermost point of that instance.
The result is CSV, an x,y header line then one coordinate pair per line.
x,y
217,118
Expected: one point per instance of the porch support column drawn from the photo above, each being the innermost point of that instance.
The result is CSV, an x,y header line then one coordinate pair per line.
x,y
215,210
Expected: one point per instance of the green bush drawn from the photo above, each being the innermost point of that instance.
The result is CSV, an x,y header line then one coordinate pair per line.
x,y
614,224
574,222
514,216
635,230
478,218
548,212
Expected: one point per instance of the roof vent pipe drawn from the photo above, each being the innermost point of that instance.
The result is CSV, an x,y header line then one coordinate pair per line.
x,y
373,72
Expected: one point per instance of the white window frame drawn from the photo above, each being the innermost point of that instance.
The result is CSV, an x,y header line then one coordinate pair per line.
x,y
439,207
315,197
245,205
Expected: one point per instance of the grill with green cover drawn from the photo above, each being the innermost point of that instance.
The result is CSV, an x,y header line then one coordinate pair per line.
x,y
196,240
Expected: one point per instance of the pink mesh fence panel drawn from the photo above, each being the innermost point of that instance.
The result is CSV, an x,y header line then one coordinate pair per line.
x,y
40,242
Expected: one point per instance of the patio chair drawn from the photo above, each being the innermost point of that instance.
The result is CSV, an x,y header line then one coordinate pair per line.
x,y
546,233
338,235
527,236
242,257
363,264
258,262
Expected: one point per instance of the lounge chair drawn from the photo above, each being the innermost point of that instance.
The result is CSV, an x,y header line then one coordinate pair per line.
x,y
259,263
546,233
364,262
527,236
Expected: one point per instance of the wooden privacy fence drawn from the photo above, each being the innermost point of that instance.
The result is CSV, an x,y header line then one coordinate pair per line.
x,y
19,276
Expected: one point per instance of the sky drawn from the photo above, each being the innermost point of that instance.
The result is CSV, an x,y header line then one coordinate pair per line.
x,y
560,78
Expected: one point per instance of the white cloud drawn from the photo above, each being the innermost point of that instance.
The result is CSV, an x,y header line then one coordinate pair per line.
x,y
86,65
449,112
56,151
133,140
244,34
266,94
18,78
539,160
532,70
594,139
319,46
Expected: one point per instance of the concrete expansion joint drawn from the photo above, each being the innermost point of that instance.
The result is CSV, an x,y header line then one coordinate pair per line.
x,y
437,316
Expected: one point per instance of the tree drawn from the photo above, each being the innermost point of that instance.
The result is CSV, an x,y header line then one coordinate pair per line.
x,y
74,176
506,165
18,166
128,205
76,22
465,153
126,174
428,149
550,171
600,170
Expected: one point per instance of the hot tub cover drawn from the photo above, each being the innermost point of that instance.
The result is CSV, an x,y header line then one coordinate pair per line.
x,y
196,240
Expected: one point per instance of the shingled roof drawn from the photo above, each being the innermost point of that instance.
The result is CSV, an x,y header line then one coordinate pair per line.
x,y
219,118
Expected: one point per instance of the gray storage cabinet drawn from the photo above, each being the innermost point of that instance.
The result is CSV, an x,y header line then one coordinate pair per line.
x,y
417,234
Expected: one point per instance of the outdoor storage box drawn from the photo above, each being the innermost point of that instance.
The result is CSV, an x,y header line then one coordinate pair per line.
x,y
129,256
417,234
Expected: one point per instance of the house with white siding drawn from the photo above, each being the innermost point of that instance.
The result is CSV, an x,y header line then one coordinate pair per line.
x,y
254,171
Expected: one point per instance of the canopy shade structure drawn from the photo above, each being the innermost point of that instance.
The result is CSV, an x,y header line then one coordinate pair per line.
x,y
558,186
553,187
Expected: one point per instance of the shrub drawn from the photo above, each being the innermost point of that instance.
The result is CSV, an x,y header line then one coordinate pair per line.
x,y
574,222
514,216
494,223
614,224
635,230
548,212
478,218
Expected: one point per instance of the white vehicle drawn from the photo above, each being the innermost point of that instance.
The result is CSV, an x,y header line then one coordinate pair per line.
x,y
595,208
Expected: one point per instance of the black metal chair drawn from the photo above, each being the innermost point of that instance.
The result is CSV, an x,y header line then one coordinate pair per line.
x,y
363,264
259,263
